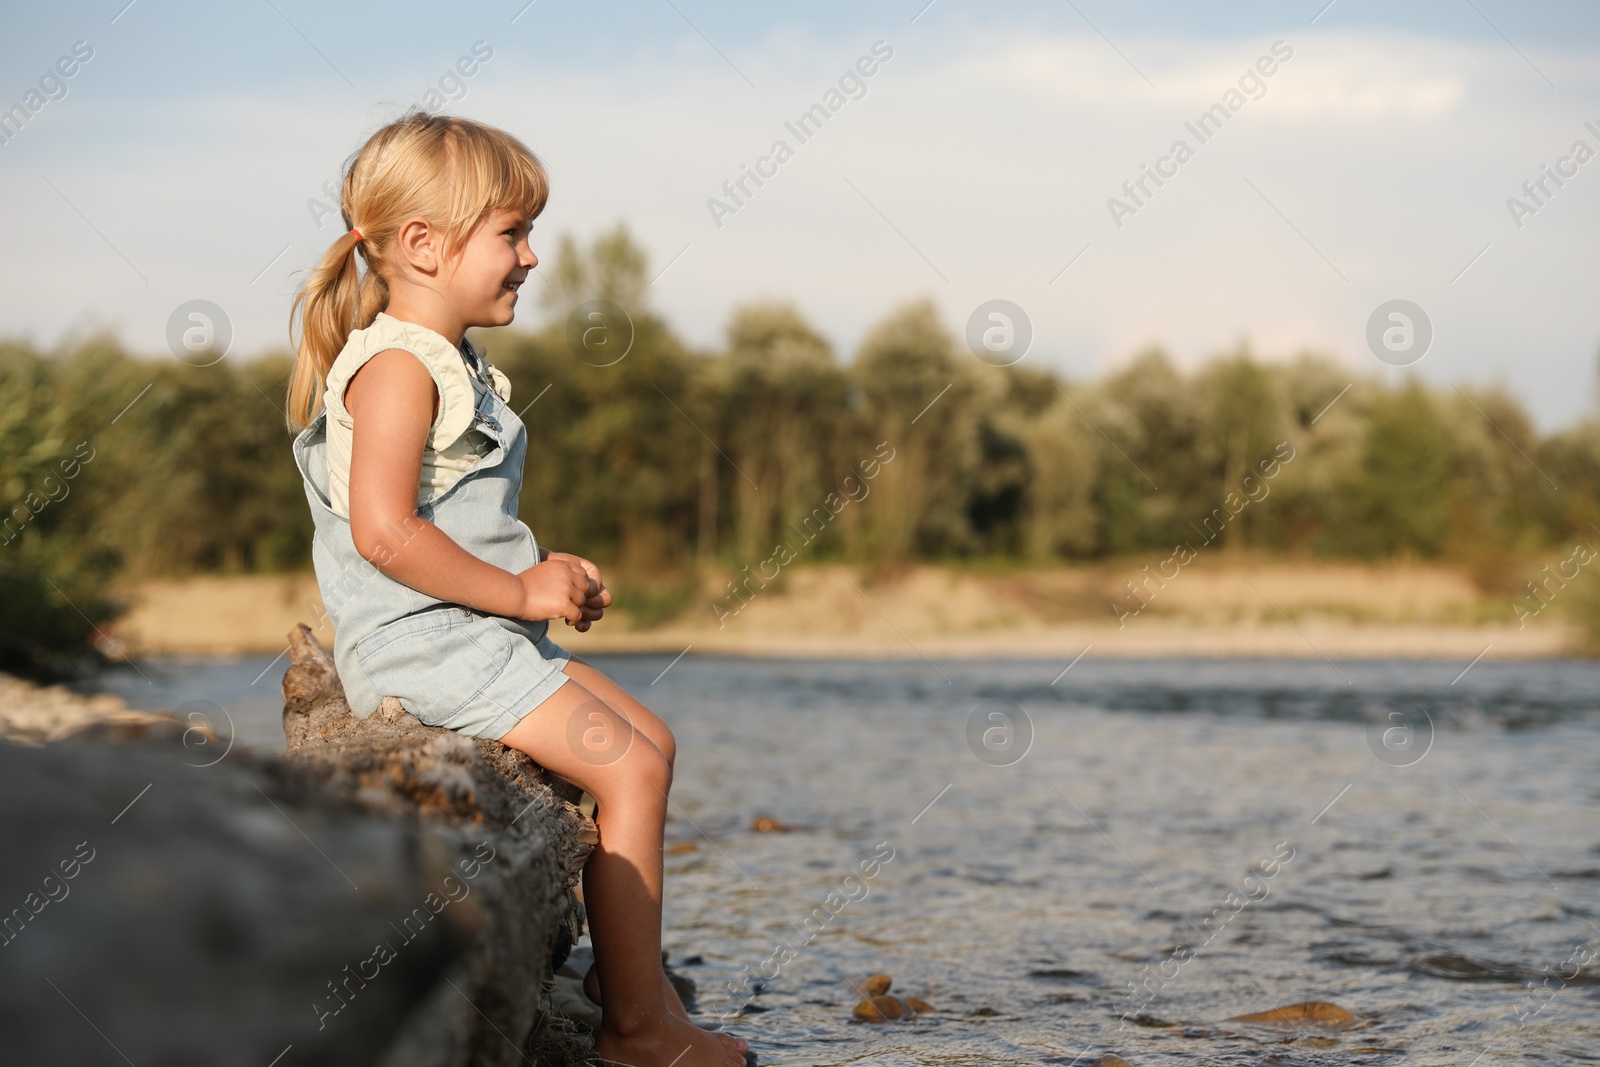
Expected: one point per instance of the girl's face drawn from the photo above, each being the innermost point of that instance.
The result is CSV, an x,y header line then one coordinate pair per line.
x,y
492,266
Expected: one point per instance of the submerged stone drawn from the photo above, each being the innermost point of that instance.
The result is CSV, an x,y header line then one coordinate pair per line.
x,y
1311,1011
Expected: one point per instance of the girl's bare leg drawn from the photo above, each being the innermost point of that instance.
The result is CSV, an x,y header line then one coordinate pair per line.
x,y
648,723
580,737
591,989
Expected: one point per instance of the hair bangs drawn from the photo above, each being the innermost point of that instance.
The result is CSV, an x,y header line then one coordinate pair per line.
x,y
489,170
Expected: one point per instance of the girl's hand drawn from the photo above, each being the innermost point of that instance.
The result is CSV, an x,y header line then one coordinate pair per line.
x,y
555,589
599,597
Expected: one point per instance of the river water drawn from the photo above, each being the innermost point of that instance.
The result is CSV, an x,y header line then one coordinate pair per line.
x,y
1116,859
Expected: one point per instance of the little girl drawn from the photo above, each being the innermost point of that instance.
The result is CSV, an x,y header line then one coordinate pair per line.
x,y
412,462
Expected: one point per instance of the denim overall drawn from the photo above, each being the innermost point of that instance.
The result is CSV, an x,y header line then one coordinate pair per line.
x,y
450,665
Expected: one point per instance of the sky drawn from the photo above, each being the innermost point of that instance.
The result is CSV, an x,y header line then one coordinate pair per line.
x,y
1383,159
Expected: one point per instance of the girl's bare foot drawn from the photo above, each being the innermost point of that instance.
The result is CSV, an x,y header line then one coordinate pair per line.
x,y
591,989
671,1042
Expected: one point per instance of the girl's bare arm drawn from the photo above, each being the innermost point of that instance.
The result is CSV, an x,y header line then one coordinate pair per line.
x,y
392,399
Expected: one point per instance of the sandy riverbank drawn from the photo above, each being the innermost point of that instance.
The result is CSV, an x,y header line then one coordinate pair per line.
x,y
1267,609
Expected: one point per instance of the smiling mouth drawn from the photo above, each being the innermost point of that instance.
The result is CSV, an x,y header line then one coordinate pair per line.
x,y
511,287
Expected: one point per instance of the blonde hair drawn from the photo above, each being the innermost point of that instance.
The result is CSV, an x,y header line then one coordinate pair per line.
x,y
451,171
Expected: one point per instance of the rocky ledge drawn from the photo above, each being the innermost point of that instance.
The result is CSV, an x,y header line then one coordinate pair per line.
x,y
387,893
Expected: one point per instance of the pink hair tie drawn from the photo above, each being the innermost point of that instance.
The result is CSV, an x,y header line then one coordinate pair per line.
x,y
357,233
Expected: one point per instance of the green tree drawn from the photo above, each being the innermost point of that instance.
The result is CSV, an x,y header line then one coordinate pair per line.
x,y
783,393
920,403
1404,470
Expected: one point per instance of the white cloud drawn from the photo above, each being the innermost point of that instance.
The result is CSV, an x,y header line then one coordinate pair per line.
x,y
1347,76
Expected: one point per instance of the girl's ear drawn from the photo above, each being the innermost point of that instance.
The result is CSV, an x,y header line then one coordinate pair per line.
x,y
418,245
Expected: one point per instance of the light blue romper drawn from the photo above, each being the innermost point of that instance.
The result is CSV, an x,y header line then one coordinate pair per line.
x,y
449,665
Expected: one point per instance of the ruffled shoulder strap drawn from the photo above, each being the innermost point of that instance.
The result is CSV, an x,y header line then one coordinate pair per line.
x,y
497,379
457,401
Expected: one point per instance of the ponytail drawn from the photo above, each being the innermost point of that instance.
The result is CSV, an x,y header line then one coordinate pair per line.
x,y
335,300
